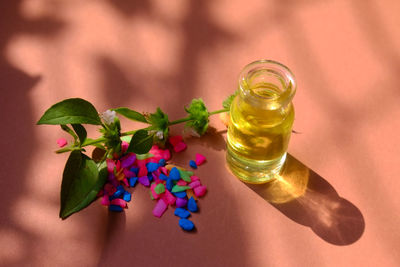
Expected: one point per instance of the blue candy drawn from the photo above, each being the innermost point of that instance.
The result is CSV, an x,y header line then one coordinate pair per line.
x,y
169,184
116,208
192,206
126,196
180,194
150,176
152,166
186,224
119,192
132,181
193,164
135,170
174,174
162,162
163,177
182,213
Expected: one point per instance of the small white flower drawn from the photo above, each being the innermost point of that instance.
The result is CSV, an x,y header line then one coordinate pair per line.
x,y
160,135
108,116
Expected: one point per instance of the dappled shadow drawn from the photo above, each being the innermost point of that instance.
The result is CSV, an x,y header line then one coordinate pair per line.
x,y
379,39
308,199
131,8
118,87
17,138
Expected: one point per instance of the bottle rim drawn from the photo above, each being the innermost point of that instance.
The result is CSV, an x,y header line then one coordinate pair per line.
x,y
282,72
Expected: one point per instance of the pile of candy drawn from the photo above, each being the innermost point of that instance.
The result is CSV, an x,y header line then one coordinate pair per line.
x,y
169,185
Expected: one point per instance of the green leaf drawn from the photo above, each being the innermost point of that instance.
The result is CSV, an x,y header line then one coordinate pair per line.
x,y
228,101
82,180
159,123
80,131
141,142
144,156
71,111
159,120
69,130
131,114
198,115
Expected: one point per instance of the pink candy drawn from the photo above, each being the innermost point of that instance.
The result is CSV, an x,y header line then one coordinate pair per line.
x,y
110,165
181,182
105,200
195,184
119,202
180,147
174,140
62,142
166,154
142,171
194,178
160,208
125,181
200,190
124,146
177,143
200,159
169,198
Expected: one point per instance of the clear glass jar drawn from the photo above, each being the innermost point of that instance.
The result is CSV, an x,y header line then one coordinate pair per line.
x,y
261,119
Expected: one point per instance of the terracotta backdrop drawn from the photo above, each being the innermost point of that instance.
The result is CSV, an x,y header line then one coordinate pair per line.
x,y
344,166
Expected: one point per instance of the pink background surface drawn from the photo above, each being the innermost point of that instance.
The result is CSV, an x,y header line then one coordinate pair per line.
x,y
143,54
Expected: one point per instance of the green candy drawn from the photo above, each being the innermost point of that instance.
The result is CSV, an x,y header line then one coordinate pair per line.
x,y
179,188
185,175
159,189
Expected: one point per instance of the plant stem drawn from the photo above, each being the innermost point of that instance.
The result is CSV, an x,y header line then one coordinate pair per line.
x,y
218,111
94,141
189,119
179,121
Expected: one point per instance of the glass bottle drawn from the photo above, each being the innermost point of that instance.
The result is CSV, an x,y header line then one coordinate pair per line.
x,y
261,119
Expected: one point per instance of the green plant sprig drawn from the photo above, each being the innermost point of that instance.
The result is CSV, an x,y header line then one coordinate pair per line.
x,y
83,177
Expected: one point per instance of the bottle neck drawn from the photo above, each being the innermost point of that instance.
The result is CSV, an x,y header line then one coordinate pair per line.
x,y
267,84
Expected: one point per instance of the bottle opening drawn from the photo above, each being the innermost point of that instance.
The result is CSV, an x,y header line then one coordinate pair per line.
x,y
267,80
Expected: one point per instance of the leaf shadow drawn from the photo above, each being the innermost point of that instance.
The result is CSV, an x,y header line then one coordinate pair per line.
x,y
18,139
308,199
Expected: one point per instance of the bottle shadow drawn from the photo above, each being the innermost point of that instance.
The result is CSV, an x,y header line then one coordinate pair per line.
x,y
305,197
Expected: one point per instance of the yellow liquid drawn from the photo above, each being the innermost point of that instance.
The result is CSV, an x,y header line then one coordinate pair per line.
x,y
258,137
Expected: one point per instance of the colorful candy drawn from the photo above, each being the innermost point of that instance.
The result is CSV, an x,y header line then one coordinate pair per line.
x,y
62,142
169,185
182,213
200,191
186,224
160,208
193,164
192,205
181,202
200,159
